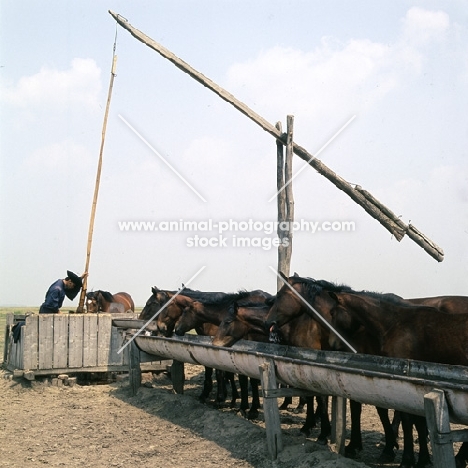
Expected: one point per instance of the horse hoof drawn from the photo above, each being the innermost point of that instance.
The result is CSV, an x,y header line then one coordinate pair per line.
x,y
305,430
243,413
322,440
252,415
423,464
407,464
387,457
352,452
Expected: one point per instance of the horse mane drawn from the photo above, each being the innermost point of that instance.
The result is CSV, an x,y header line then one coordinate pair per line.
x,y
312,287
250,305
108,297
227,298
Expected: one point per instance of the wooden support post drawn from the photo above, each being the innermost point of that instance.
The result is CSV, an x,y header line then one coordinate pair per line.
x,y
338,435
285,200
134,372
178,376
438,423
270,409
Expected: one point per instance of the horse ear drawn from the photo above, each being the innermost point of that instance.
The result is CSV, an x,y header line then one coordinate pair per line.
x,y
154,289
295,274
333,296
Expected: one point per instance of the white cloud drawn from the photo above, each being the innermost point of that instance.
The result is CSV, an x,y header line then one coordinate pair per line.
x,y
422,26
335,78
79,85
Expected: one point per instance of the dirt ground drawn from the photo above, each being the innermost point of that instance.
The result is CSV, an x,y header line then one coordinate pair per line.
x,y
102,425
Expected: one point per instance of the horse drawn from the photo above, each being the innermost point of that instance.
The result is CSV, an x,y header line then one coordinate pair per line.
x,y
247,322
168,317
104,301
288,306
175,302
214,311
406,331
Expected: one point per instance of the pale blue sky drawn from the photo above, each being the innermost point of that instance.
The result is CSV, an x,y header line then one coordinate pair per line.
x,y
400,67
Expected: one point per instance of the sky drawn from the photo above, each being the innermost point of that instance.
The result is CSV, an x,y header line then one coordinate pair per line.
x,y
378,91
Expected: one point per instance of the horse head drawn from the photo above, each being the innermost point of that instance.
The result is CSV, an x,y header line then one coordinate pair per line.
x,y
92,305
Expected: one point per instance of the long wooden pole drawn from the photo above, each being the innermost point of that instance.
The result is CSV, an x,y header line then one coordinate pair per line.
x,y
377,210
285,201
80,308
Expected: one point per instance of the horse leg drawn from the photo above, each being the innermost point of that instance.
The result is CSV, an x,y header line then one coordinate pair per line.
x,y
396,422
244,386
355,442
300,407
253,413
325,426
310,422
407,459
388,454
221,393
461,458
207,384
421,426
287,400
234,392
310,416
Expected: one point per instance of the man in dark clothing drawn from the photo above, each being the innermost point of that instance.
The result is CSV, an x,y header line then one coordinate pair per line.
x,y
70,287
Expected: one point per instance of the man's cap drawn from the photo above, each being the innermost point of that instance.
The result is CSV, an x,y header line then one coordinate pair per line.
x,y
77,281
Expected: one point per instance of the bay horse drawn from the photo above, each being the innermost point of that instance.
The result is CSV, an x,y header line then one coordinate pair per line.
x,y
406,331
213,311
165,323
247,322
104,301
288,306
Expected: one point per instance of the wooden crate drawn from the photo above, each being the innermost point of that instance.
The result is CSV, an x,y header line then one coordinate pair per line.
x,y
65,343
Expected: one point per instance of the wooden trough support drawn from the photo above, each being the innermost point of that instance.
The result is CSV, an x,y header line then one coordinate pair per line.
x,y
438,423
137,361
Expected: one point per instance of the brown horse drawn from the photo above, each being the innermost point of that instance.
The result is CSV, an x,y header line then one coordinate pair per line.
x,y
168,306
247,322
407,331
213,311
290,305
104,301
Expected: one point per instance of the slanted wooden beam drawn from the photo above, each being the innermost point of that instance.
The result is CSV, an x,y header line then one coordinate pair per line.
x,y
373,207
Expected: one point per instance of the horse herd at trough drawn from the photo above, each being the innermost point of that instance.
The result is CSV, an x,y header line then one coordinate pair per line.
x,y
433,329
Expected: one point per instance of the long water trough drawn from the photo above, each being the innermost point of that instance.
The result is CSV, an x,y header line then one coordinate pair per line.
x,y
386,382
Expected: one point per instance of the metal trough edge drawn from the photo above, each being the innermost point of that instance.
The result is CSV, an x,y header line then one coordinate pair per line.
x,y
386,382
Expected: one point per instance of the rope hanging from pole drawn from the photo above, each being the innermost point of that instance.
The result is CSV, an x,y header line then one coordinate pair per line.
x,y
80,308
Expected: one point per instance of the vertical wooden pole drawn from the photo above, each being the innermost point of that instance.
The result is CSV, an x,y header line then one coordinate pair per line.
x,y
178,376
285,199
270,410
80,308
134,373
438,423
338,435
